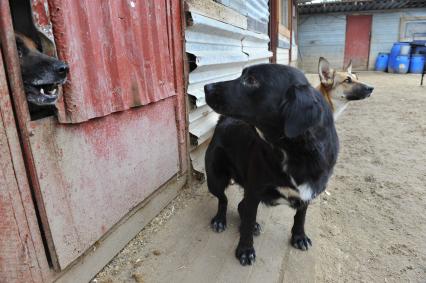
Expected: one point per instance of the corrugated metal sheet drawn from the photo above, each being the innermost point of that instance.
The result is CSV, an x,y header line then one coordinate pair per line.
x,y
118,52
256,45
258,15
220,51
385,31
321,35
283,56
283,50
294,50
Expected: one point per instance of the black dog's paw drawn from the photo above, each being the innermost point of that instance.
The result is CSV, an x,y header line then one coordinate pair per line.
x,y
218,224
257,229
301,241
246,255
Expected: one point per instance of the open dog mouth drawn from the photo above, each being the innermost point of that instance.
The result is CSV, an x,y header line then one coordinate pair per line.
x,y
43,94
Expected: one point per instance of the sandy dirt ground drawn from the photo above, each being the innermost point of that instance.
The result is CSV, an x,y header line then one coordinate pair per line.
x,y
371,225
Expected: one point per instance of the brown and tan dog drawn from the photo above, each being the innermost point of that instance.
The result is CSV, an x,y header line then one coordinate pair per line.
x,y
41,74
340,87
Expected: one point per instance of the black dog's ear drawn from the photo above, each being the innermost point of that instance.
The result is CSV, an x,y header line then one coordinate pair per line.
x,y
302,111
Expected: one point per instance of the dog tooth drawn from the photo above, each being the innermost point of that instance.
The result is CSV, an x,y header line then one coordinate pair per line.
x,y
42,91
52,92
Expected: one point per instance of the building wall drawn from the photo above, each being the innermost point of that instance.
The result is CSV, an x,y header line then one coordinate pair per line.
x,y
321,35
385,31
324,35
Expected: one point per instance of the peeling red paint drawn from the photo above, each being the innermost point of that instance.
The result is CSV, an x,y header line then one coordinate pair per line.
x,y
107,166
41,12
118,54
87,176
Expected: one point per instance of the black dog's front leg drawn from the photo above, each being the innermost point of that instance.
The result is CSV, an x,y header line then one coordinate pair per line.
x,y
299,239
248,210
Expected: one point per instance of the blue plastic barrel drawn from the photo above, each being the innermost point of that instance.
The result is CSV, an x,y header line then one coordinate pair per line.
x,y
401,64
382,62
398,48
417,63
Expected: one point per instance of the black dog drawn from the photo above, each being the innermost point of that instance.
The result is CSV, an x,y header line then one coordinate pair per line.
x,y
277,140
41,74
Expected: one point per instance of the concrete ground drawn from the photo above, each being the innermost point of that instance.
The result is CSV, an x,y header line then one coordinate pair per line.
x,y
369,227
185,249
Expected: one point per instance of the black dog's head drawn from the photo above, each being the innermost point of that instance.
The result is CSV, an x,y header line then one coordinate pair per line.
x,y
41,73
274,98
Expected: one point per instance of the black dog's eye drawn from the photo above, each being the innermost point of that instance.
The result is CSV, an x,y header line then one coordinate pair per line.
x,y
251,81
348,80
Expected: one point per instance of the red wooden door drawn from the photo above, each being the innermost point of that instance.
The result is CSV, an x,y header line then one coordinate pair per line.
x,y
357,44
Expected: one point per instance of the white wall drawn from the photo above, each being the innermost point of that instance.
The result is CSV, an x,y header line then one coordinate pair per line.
x,y
385,31
321,35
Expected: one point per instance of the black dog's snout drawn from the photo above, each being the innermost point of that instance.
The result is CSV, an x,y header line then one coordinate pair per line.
x,y
208,88
62,68
369,88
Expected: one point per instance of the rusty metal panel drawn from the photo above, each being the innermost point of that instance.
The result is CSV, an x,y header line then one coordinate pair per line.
x,y
93,174
167,117
119,55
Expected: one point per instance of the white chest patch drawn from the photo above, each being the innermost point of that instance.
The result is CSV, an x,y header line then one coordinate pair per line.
x,y
288,192
305,192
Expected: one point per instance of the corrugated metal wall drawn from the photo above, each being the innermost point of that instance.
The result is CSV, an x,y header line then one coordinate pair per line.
x,y
321,35
385,31
218,51
257,15
117,52
283,50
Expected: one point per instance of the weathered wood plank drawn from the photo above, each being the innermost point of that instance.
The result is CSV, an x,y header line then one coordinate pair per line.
x,y
216,11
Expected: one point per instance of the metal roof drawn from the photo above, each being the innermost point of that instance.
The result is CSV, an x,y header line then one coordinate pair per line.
x,y
343,6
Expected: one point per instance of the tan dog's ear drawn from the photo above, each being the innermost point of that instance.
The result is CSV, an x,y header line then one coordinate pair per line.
x,y
326,74
349,67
